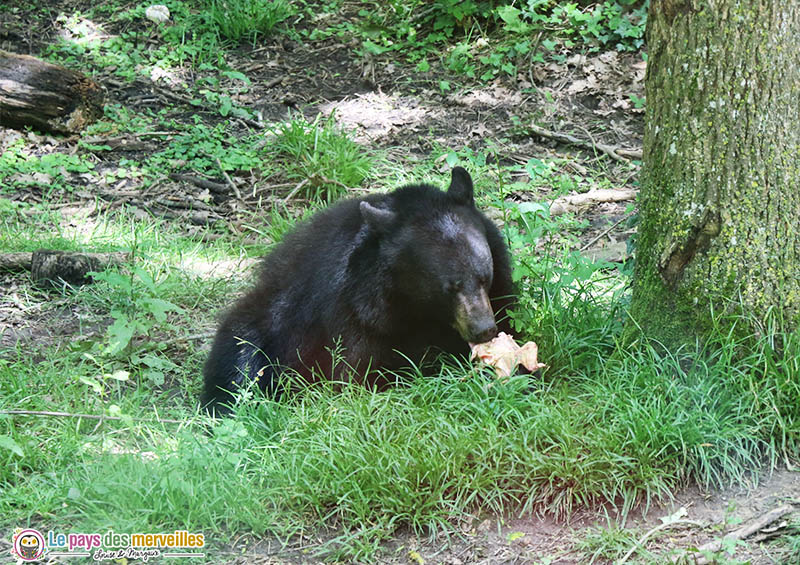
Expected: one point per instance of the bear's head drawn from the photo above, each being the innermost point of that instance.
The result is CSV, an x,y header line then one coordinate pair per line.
x,y
434,246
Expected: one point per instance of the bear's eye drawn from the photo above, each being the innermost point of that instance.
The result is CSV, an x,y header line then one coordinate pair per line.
x,y
456,285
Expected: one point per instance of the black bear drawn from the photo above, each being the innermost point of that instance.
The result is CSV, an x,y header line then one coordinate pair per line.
x,y
387,278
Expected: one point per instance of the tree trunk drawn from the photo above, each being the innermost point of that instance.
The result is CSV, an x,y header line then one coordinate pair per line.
x,y
720,195
46,97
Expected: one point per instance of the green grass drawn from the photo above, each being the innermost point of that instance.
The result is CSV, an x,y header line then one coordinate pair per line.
x,y
196,34
321,155
610,543
626,425
608,422
237,19
788,546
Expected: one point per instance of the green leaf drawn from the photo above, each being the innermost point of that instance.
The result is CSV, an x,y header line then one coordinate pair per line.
x,y
118,375
534,208
155,377
159,308
8,443
510,15
115,279
236,75
119,335
94,383
374,48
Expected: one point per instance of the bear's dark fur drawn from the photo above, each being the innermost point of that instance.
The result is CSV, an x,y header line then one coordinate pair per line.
x,y
388,277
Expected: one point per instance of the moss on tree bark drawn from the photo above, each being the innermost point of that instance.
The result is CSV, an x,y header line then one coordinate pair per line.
x,y
720,195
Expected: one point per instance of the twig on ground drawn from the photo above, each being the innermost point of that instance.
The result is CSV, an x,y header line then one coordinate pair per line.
x,y
296,189
742,533
46,414
658,528
617,153
200,182
271,187
275,81
192,337
172,95
326,180
229,181
606,232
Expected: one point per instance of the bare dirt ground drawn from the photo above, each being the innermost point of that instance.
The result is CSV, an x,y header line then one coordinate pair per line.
x,y
405,113
701,517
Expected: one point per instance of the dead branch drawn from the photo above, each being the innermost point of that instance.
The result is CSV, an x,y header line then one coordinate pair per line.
x,y
295,190
618,153
184,204
15,261
229,181
201,183
743,533
575,202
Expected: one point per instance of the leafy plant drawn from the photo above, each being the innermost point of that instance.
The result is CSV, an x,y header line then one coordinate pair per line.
x,y
617,22
203,149
574,304
488,39
217,96
139,310
50,171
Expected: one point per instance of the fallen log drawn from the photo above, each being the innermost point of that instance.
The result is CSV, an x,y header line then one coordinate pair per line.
x,y
47,265
46,97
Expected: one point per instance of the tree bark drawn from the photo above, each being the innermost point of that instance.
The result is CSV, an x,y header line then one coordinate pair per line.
x,y
720,194
46,97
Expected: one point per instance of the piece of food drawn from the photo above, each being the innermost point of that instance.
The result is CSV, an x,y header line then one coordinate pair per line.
x,y
504,354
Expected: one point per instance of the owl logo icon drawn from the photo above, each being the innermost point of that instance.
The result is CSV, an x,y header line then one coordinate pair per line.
x,y
28,545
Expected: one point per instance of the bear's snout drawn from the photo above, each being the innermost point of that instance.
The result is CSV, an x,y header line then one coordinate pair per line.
x,y
481,335
474,318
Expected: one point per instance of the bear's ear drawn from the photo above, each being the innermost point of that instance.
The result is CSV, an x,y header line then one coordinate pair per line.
x,y
460,188
377,218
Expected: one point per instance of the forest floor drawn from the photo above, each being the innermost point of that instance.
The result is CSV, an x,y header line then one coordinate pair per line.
x,y
410,117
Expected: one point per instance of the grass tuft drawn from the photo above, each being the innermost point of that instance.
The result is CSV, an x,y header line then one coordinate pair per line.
x,y
320,155
237,19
